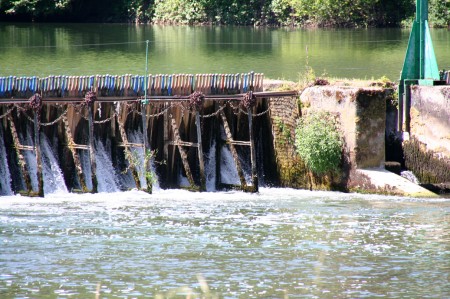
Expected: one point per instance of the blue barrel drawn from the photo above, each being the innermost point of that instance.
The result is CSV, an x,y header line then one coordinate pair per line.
x,y
2,85
169,87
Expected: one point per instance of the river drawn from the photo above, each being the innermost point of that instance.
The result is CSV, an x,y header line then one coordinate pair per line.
x,y
280,243
87,49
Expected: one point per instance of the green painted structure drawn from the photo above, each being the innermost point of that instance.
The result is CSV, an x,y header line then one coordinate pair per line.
x,y
420,65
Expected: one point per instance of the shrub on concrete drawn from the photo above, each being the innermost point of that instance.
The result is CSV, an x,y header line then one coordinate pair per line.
x,y
319,143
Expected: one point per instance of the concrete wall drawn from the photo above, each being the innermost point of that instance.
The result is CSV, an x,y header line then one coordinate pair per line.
x,y
430,118
362,114
427,152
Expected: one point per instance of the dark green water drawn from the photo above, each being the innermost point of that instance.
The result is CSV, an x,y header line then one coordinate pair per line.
x,y
84,49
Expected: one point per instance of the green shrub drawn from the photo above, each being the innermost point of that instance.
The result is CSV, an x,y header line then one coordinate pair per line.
x,y
179,11
319,143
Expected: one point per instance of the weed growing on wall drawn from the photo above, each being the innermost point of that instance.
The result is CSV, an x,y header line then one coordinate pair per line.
x,y
319,143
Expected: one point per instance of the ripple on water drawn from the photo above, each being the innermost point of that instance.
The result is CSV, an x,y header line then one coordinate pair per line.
x,y
277,242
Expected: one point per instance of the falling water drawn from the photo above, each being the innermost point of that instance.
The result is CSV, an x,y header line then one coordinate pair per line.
x,y
30,158
86,166
5,176
183,180
106,174
228,171
410,176
53,177
210,168
136,137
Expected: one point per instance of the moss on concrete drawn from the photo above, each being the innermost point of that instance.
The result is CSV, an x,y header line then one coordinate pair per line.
x,y
426,165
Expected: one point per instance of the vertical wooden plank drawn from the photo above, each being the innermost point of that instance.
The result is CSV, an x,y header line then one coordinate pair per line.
x,y
233,150
183,154
92,149
146,165
166,124
219,144
76,157
126,149
37,146
252,151
200,152
22,163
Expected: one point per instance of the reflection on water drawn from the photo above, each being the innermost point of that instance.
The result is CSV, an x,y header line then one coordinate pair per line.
x,y
280,241
85,49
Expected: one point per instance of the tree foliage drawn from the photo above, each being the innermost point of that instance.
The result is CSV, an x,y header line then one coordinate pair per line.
x,y
322,13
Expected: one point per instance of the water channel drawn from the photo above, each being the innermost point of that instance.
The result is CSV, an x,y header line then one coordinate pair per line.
x,y
279,243
87,49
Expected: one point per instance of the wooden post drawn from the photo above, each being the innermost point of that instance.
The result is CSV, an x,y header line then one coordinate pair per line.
x,y
22,163
183,154
166,124
219,144
37,145
233,150
200,152
76,157
127,151
92,149
146,166
252,151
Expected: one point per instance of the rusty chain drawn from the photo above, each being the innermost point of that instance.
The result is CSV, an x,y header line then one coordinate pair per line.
x,y
159,113
97,122
7,112
214,113
24,112
55,121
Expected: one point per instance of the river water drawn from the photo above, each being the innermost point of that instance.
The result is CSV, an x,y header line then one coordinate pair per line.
x,y
87,49
280,243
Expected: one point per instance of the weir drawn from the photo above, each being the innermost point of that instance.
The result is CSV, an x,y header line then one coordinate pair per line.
x,y
178,119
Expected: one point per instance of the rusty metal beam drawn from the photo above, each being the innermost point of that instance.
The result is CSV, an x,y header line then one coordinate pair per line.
x,y
154,99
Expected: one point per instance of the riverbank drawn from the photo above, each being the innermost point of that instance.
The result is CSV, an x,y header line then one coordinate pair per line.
x,y
289,13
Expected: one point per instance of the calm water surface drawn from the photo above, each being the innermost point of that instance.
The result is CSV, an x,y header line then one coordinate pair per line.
x,y
280,242
85,49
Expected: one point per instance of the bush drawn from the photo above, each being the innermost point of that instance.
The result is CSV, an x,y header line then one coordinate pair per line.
x,y
319,143
179,11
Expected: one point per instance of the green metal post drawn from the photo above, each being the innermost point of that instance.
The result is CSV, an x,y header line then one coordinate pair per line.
x,y
144,122
420,61
146,72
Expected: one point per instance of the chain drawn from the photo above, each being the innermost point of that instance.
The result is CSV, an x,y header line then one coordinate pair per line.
x,y
77,109
240,110
55,121
214,113
159,113
235,108
24,112
7,112
20,108
105,120
262,113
